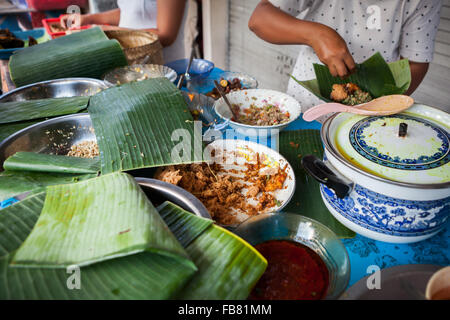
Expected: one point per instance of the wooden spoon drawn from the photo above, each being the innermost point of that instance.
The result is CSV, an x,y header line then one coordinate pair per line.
x,y
381,106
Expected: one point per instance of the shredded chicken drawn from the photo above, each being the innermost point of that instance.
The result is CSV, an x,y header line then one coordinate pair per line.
x,y
222,193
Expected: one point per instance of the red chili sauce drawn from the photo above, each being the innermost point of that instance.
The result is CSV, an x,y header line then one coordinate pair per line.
x,y
294,272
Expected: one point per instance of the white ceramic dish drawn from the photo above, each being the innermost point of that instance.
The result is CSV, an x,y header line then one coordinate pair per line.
x,y
388,190
229,151
258,97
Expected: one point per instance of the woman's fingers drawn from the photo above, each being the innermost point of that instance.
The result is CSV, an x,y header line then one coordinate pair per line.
x,y
63,21
350,63
341,68
333,70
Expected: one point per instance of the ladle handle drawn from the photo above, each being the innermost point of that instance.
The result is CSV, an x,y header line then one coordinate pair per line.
x,y
323,174
323,109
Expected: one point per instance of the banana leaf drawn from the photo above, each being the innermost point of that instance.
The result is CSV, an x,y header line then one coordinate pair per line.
x,y
183,224
41,162
307,200
68,233
134,124
13,183
144,275
228,267
8,129
374,75
87,53
15,111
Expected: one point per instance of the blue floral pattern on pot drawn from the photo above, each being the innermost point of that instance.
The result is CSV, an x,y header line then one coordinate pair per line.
x,y
441,157
387,215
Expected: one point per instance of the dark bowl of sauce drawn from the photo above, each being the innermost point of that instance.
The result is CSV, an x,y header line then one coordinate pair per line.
x,y
306,260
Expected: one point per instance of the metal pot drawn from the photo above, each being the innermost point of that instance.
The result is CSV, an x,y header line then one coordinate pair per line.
x,y
59,88
55,136
381,185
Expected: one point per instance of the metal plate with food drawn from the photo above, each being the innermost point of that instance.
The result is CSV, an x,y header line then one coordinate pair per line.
x,y
138,72
243,179
262,111
67,135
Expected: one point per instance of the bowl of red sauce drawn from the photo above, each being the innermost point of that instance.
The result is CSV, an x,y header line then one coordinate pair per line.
x,y
306,260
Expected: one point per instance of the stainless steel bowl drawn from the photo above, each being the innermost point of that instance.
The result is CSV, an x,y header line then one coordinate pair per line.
x,y
54,136
59,134
159,191
59,88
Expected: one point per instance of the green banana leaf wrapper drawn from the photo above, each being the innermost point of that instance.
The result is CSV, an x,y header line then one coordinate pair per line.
x,y
374,75
123,247
87,53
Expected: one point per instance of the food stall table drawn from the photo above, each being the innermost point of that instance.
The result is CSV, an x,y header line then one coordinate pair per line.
x,y
364,253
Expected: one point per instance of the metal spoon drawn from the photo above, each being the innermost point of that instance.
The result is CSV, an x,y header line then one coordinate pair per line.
x,y
219,88
186,74
381,106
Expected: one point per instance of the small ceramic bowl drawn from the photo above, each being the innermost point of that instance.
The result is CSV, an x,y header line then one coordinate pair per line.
x,y
306,231
259,97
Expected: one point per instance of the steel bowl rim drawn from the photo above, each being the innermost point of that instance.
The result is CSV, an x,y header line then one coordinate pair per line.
x,y
42,123
201,209
7,94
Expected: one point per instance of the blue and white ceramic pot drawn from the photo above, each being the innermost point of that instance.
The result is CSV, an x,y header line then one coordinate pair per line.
x,y
383,182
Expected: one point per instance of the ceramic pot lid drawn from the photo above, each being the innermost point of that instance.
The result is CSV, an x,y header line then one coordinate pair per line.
x,y
374,144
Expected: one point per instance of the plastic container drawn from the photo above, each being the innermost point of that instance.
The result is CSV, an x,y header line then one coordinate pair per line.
x,y
47,25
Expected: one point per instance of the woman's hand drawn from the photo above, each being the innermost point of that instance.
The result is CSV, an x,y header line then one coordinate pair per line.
x,y
111,17
278,27
332,51
83,20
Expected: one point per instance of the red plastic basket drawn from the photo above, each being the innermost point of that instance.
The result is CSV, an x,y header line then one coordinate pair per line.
x,y
48,22
44,5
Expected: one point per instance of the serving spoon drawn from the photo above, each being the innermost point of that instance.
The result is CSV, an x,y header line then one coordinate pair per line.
x,y
222,94
381,106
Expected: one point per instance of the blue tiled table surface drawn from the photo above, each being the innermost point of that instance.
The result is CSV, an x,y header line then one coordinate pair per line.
x,y
364,252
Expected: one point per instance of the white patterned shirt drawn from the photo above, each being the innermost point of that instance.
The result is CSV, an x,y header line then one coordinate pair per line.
x,y
395,28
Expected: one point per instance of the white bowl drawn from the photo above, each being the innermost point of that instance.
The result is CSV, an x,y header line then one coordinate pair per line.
x,y
258,97
234,154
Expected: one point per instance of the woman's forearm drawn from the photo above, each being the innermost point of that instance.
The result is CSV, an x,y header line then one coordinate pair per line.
x,y
275,26
418,72
170,16
111,17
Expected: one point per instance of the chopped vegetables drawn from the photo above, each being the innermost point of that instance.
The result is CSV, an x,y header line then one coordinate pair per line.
x,y
267,115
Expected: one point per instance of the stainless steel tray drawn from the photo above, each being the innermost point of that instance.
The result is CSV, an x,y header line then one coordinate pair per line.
x,y
54,136
59,88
